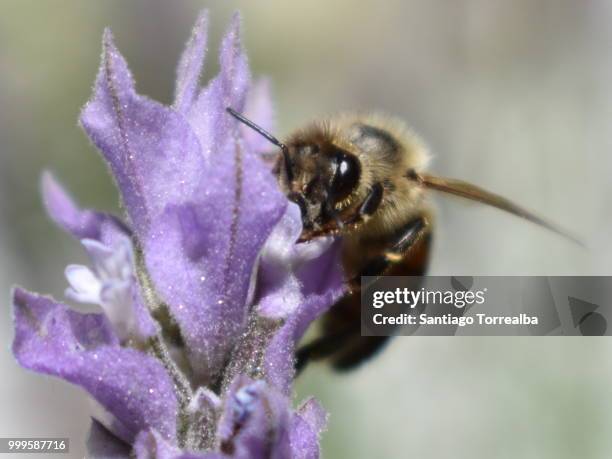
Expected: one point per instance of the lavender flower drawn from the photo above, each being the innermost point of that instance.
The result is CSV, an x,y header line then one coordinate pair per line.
x,y
203,291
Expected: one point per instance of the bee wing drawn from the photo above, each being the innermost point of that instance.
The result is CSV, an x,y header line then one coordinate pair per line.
x,y
474,193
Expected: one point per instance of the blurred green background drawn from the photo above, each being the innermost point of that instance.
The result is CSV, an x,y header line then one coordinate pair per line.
x,y
515,96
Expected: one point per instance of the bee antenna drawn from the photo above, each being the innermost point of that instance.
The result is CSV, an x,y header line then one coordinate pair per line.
x,y
261,131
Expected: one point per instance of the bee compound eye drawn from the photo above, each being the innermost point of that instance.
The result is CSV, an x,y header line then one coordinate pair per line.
x,y
346,176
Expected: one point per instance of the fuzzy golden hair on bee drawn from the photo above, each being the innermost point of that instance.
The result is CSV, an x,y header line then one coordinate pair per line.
x,y
375,149
386,147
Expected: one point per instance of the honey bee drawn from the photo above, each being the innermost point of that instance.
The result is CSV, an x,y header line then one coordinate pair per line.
x,y
363,178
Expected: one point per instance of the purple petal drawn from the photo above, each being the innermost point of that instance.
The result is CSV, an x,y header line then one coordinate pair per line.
x,y
279,287
313,414
82,224
145,326
210,121
152,151
282,259
325,274
235,72
194,217
82,349
255,421
215,239
306,426
258,108
279,357
207,284
190,65
285,268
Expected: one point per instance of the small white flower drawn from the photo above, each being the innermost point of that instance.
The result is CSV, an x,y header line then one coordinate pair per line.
x,y
108,283
283,259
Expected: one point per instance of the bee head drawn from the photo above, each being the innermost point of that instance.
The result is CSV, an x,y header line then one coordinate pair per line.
x,y
320,177
315,173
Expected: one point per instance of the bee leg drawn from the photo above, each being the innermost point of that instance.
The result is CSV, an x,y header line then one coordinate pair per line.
x,y
320,348
367,207
345,345
370,204
409,238
407,256
372,201
362,349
